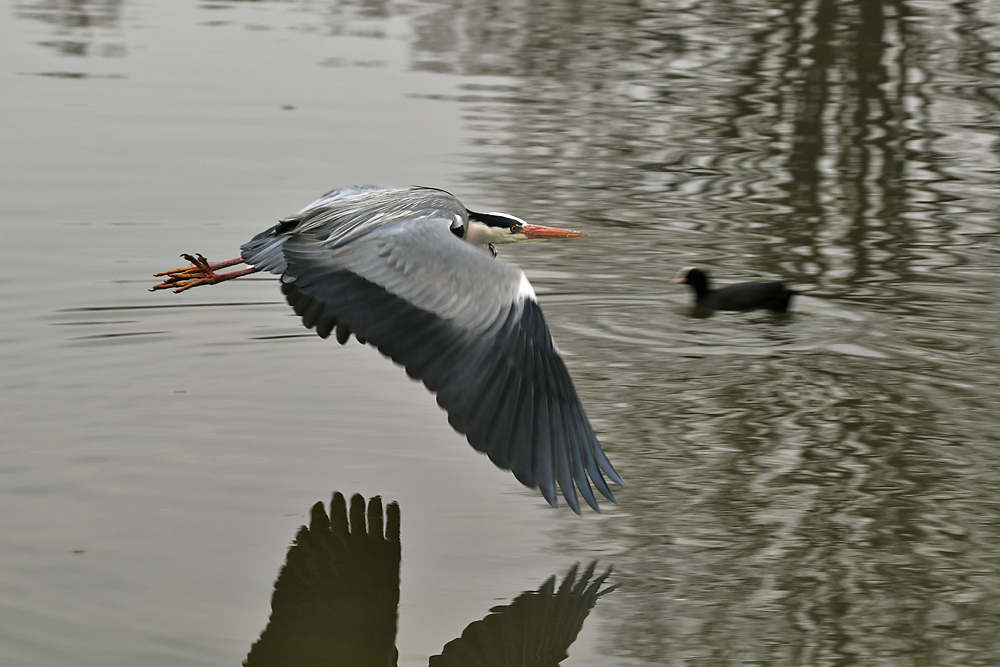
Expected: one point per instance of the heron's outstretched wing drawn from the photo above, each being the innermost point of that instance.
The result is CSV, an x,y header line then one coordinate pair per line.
x,y
336,598
535,630
470,328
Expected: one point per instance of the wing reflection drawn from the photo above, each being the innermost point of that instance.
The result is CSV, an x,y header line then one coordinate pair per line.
x,y
535,630
336,598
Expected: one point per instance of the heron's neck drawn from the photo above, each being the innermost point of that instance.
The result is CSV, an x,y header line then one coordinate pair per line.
x,y
482,236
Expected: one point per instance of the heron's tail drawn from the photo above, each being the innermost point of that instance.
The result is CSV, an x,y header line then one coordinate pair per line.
x,y
264,251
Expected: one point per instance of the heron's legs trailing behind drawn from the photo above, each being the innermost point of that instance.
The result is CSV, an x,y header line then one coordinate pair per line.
x,y
200,273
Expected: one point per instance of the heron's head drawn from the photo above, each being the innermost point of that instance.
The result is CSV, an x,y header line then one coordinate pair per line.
x,y
488,229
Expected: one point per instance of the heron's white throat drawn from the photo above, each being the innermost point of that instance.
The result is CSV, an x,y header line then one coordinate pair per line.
x,y
482,235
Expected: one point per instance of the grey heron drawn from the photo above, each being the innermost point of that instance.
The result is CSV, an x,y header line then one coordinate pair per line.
x,y
773,296
409,270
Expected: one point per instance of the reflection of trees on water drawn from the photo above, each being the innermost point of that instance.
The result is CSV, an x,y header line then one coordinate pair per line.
x,y
814,508
804,127
810,513
78,25
73,14
336,598
822,134
845,89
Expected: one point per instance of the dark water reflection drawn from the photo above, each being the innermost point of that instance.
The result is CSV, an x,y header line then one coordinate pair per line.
x,y
817,491
337,596
820,489
79,28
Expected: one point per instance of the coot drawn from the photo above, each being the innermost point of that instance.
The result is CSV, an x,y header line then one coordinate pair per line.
x,y
773,296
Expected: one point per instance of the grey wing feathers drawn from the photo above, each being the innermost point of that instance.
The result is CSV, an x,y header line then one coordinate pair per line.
x,y
465,324
468,329
423,263
345,214
264,251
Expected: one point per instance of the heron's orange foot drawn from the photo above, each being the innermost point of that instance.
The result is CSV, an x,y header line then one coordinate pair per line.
x,y
184,278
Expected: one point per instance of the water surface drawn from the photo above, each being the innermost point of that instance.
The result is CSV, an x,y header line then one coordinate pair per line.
x,y
814,489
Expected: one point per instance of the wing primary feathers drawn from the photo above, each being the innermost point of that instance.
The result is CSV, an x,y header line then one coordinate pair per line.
x,y
464,389
296,299
419,346
563,475
499,435
545,433
481,421
599,482
608,469
325,325
572,452
438,373
579,455
312,313
343,332
521,448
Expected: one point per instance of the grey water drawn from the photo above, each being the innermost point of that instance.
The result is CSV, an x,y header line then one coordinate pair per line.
x,y
820,488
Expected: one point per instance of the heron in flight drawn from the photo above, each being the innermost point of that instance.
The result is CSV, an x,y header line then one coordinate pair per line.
x,y
410,271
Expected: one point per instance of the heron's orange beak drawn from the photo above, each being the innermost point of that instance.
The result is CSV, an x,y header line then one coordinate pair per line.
x,y
542,232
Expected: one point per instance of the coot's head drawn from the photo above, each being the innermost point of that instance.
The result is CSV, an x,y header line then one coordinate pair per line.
x,y
693,276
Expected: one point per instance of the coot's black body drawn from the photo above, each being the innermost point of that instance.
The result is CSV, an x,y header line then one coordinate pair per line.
x,y
773,296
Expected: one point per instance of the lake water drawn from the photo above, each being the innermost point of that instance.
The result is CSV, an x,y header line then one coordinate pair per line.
x,y
821,488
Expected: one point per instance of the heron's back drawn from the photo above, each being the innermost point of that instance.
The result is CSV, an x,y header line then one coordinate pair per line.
x,y
348,213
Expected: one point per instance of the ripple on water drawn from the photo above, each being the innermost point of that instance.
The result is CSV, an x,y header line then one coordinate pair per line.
x,y
656,326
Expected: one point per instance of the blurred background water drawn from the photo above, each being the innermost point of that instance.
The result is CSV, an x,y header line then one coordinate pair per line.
x,y
815,489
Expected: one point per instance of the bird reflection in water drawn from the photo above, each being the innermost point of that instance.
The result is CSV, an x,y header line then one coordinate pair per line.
x,y
336,598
